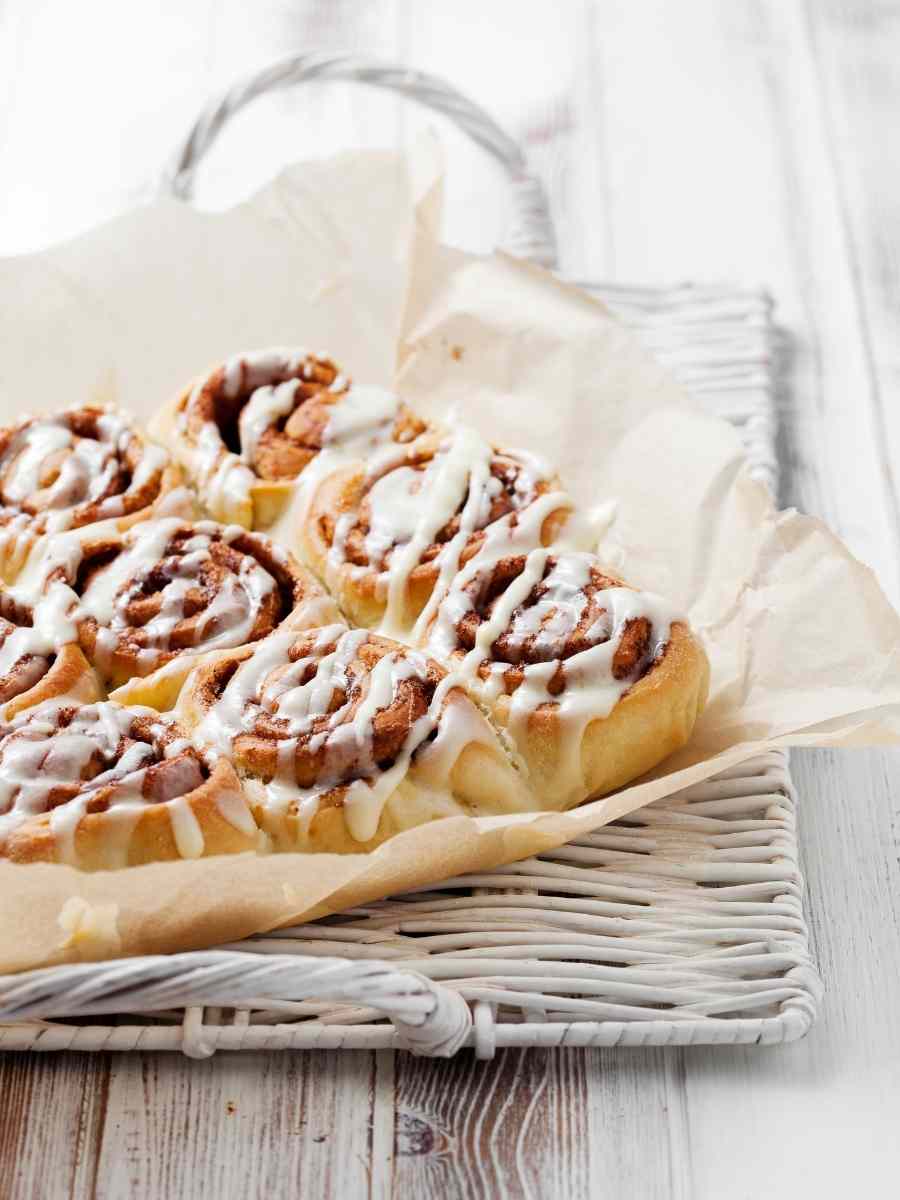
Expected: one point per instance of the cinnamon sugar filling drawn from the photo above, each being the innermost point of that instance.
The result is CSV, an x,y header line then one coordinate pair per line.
x,y
75,468
506,496
544,630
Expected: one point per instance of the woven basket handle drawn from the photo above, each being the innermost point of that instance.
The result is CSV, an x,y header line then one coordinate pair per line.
x,y
531,235
430,1019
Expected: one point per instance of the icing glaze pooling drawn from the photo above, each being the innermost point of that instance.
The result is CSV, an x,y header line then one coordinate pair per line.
x,y
360,420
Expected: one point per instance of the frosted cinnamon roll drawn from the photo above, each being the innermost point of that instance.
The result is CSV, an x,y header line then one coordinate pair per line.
x,y
343,738
245,431
389,540
102,786
34,665
594,682
72,469
145,603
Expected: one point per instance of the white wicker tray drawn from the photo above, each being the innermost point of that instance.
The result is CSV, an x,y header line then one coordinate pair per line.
x,y
681,924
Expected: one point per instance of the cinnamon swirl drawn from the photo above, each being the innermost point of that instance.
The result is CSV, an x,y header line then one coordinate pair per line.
x,y
594,681
72,469
389,540
343,738
245,431
33,665
145,603
102,786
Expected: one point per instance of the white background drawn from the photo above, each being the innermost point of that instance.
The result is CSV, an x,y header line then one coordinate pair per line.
x,y
754,141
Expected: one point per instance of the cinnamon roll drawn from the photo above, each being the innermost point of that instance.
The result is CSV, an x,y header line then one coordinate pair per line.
x,y
389,540
343,738
33,665
102,786
245,431
593,681
145,603
72,469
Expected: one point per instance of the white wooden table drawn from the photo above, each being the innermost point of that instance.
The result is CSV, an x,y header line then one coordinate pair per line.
x,y
752,141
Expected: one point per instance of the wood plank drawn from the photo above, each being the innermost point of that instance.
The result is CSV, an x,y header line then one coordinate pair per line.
x,y
720,165
513,1127
860,91
828,1103
54,1106
238,1125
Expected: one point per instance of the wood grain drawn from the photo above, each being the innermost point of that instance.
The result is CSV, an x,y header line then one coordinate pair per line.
x,y
54,1108
754,141
283,1118
517,1129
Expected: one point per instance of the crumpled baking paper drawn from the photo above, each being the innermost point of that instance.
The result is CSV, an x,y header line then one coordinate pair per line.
x,y
343,256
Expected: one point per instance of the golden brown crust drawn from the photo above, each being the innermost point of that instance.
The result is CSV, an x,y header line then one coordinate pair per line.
x,y
562,618
69,674
409,805
99,814
654,718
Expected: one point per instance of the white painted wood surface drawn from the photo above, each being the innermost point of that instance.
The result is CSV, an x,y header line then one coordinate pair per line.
x,y
752,141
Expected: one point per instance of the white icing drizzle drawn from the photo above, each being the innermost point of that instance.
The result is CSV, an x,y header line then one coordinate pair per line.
x,y
179,502
264,407
408,507
513,534
590,691
42,758
24,660
228,617
225,479
108,585
83,469
360,420
265,683
360,425
186,830
27,651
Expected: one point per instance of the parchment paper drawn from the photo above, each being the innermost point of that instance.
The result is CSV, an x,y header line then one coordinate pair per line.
x,y
343,256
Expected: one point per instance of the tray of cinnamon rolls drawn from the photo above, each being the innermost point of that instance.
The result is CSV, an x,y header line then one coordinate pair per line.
x,y
294,615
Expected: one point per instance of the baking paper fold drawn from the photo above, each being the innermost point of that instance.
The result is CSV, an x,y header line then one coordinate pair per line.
x,y
342,256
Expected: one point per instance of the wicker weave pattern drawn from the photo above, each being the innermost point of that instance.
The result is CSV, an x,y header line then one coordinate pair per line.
x,y
682,924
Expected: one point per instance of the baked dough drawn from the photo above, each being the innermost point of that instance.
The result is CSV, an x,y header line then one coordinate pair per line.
x,y
456,654
102,786
593,681
343,738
